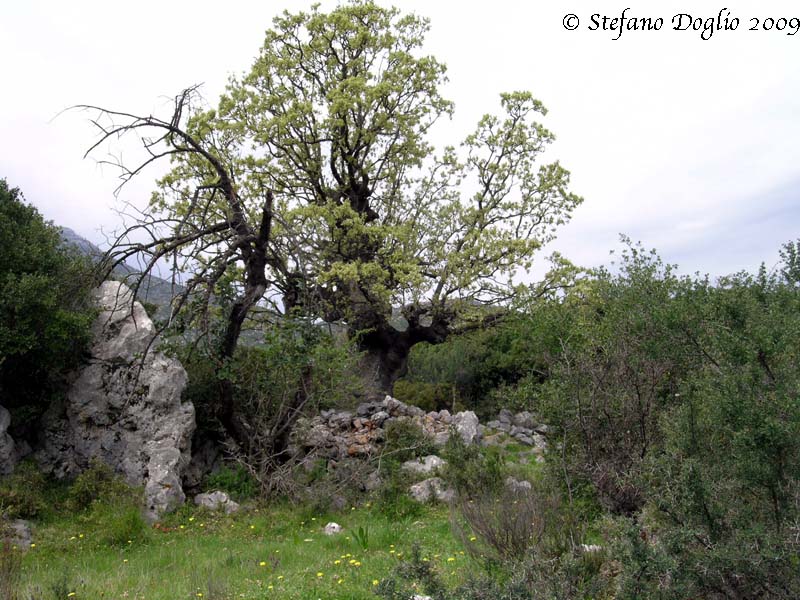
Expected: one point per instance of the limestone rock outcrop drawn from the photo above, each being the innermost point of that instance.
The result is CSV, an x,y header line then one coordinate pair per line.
x,y
8,454
124,407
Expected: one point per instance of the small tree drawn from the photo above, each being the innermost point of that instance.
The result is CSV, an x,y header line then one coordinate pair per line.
x,y
45,308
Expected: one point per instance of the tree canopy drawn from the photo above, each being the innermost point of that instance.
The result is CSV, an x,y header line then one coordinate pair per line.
x,y
332,124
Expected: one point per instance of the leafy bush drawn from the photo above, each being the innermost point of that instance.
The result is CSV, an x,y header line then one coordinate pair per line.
x,y
618,371
98,483
427,396
676,400
393,499
404,440
470,469
119,523
45,308
297,368
23,493
236,480
571,576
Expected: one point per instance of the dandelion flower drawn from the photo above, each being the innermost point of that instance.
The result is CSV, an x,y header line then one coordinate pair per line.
x,y
320,573
451,559
337,562
33,545
375,582
70,595
262,564
472,538
280,577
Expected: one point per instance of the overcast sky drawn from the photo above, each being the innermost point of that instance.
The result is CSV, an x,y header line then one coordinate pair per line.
x,y
691,146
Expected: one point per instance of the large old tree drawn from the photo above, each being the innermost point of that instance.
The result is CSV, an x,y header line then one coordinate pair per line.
x,y
325,144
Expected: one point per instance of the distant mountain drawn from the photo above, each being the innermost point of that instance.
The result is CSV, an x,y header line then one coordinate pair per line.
x,y
153,290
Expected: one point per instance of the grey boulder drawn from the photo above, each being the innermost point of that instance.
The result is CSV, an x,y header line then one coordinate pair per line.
x,y
466,423
425,465
216,500
124,407
431,489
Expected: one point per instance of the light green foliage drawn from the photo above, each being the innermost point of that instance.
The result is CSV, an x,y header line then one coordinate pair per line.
x,y
44,307
333,117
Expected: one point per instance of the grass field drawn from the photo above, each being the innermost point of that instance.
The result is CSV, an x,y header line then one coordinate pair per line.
x,y
276,551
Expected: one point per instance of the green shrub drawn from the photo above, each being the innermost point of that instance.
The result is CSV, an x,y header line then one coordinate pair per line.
x,y
98,483
119,523
45,308
236,480
296,369
405,440
571,576
393,499
471,469
23,493
427,396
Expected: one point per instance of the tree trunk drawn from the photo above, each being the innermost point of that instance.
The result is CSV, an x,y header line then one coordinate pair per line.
x,y
388,345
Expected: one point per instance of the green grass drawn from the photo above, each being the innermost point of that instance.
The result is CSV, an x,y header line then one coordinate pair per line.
x,y
267,552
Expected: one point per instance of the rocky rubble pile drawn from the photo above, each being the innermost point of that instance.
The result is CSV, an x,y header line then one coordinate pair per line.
x,y
522,427
340,434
